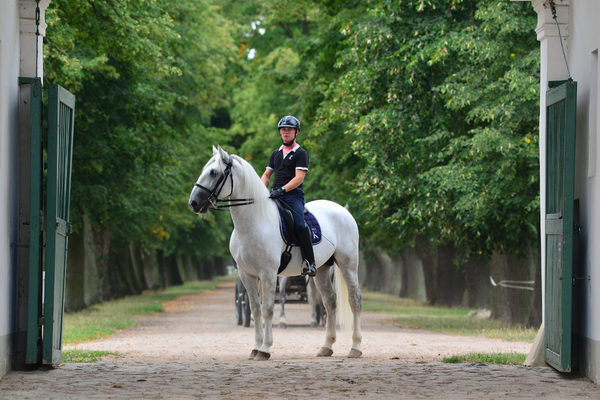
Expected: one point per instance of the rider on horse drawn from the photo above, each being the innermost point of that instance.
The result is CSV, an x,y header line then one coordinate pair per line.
x,y
290,165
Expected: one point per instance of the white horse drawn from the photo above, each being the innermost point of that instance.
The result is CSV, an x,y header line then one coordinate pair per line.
x,y
256,246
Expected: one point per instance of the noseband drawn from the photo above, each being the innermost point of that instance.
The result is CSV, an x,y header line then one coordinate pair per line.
x,y
213,195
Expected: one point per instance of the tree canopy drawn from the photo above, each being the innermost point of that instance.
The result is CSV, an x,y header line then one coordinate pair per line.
x,y
421,114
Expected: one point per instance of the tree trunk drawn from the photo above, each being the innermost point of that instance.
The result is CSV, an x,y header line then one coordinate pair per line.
x,y
450,278
511,305
305,23
152,271
90,264
170,271
75,283
191,272
374,269
362,270
535,316
181,268
393,279
428,257
404,280
477,271
415,284
102,250
137,266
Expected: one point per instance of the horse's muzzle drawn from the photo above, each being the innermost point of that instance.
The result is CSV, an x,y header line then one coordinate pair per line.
x,y
199,208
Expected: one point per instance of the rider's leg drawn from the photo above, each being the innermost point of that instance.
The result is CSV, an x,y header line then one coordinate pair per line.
x,y
295,201
305,238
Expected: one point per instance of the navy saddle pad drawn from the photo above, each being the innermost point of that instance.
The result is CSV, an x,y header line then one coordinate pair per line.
x,y
313,224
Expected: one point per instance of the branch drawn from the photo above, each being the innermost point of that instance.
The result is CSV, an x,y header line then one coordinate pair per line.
x,y
288,31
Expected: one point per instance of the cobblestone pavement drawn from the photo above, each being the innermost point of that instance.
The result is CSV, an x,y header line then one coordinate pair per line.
x,y
195,351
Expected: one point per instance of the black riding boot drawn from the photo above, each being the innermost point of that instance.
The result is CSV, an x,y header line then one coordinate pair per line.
x,y
308,265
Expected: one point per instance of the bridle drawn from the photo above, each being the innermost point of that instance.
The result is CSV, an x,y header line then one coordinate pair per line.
x,y
213,195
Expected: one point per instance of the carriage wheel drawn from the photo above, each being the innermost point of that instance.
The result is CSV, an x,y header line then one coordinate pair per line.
x,y
246,313
239,289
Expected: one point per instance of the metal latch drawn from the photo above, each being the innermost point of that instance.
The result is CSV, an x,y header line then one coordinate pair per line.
x,y
580,278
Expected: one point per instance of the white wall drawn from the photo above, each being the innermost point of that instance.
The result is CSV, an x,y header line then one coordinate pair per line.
x,y
583,63
580,31
9,93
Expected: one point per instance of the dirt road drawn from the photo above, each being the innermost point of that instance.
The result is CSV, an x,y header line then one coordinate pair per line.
x,y
195,350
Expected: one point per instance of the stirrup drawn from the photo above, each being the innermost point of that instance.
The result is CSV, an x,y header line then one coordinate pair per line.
x,y
308,269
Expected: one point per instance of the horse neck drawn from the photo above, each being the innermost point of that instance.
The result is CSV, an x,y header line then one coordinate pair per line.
x,y
248,217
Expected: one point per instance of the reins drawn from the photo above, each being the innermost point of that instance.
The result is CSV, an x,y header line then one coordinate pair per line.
x,y
213,197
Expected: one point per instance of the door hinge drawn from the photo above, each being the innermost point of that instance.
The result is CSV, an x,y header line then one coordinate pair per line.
x,y
41,321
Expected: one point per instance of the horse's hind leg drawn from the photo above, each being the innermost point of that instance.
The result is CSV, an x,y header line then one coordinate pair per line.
x,y
349,270
251,285
328,295
282,285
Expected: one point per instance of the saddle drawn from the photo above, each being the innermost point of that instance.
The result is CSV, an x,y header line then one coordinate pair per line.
x,y
288,233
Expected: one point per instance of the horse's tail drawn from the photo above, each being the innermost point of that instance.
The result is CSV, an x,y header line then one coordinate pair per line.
x,y
344,312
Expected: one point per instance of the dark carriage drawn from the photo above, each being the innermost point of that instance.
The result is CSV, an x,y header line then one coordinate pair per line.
x,y
295,292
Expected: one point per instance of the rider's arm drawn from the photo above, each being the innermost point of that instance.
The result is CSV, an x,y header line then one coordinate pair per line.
x,y
266,178
296,181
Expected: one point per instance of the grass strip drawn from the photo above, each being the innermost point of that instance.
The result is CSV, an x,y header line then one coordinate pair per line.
x,y
102,320
487,358
452,321
85,356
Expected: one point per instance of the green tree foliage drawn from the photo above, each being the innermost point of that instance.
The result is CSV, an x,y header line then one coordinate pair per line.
x,y
147,76
288,51
422,114
440,99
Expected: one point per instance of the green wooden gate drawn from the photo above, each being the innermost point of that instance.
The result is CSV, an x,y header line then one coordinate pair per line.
x,y
61,119
561,101
44,329
36,223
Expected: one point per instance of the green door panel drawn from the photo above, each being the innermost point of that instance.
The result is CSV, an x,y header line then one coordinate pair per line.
x,y
34,302
61,116
560,177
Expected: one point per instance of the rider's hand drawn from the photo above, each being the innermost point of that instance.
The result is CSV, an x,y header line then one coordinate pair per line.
x,y
276,193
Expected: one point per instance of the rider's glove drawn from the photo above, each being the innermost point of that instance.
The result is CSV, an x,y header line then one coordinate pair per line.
x,y
276,193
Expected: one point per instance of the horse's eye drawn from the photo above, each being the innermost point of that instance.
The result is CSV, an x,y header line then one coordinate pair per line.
x,y
213,173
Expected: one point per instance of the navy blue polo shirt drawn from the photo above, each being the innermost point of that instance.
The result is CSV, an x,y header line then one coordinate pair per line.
x,y
285,167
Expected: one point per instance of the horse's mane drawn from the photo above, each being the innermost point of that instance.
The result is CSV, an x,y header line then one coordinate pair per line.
x,y
263,207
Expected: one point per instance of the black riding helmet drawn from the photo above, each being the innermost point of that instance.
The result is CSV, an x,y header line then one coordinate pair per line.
x,y
289,122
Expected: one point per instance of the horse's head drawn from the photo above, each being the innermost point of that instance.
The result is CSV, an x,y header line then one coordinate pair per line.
x,y
210,185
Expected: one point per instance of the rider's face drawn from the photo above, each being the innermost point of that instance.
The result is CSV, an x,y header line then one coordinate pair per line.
x,y
287,134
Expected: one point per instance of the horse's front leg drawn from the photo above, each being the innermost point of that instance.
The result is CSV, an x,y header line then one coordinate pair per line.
x,y
269,282
313,300
251,285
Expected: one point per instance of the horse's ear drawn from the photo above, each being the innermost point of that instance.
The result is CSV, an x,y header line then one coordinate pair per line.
x,y
223,154
215,151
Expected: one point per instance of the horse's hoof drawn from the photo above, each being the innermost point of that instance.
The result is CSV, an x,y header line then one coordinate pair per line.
x,y
354,353
314,325
253,354
282,325
262,356
325,352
